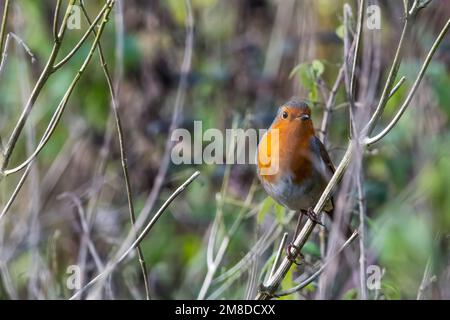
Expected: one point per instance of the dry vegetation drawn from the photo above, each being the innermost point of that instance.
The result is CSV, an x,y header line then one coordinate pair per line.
x,y
86,177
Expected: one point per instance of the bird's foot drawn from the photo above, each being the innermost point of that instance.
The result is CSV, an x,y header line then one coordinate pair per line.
x,y
293,257
314,216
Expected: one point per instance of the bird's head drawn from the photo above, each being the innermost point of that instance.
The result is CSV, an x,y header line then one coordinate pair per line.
x,y
295,115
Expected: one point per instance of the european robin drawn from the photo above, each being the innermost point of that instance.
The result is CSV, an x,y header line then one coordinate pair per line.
x,y
293,164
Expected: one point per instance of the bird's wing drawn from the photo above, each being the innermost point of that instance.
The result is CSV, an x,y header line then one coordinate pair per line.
x,y
323,154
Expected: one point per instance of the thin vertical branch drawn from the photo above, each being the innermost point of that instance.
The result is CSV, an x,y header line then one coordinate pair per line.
x,y
48,70
82,40
350,70
60,109
412,91
34,193
3,27
279,253
362,235
409,16
426,279
123,160
56,116
211,260
329,106
55,20
179,104
122,153
105,148
84,226
311,278
126,247
267,289
362,5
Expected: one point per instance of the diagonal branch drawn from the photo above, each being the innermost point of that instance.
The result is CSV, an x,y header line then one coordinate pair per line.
x,y
311,278
61,107
268,289
3,27
126,248
124,164
412,91
46,72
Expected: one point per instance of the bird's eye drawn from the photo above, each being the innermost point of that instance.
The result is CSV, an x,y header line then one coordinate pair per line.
x,y
284,115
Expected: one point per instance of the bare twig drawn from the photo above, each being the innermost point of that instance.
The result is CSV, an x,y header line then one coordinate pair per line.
x,y
268,288
126,248
54,120
211,260
412,91
55,20
16,191
232,274
329,106
362,5
350,74
397,86
106,146
362,236
179,104
84,227
60,109
310,279
20,42
91,29
426,279
409,15
48,70
3,27
279,253
122,153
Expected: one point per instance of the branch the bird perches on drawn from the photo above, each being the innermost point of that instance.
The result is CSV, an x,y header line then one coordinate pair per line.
x,y
360,141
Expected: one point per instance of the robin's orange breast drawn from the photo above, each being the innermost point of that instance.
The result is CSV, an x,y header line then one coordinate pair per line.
x,y
291,164
286,152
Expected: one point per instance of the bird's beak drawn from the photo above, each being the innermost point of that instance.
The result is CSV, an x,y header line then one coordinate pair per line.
x,y
304,117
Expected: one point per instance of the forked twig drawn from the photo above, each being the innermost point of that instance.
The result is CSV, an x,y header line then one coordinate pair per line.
x,y
268,289
311,278
126,247
122,153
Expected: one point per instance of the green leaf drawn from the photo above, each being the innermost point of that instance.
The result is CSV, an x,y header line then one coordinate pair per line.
x,y
265,208
318,68
390,291
296,70
351,294
313,95
279,213
306,77
287,283
340,31
267,265
311,248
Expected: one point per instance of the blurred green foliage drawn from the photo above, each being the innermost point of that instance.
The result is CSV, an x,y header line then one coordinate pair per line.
x,y
407,176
